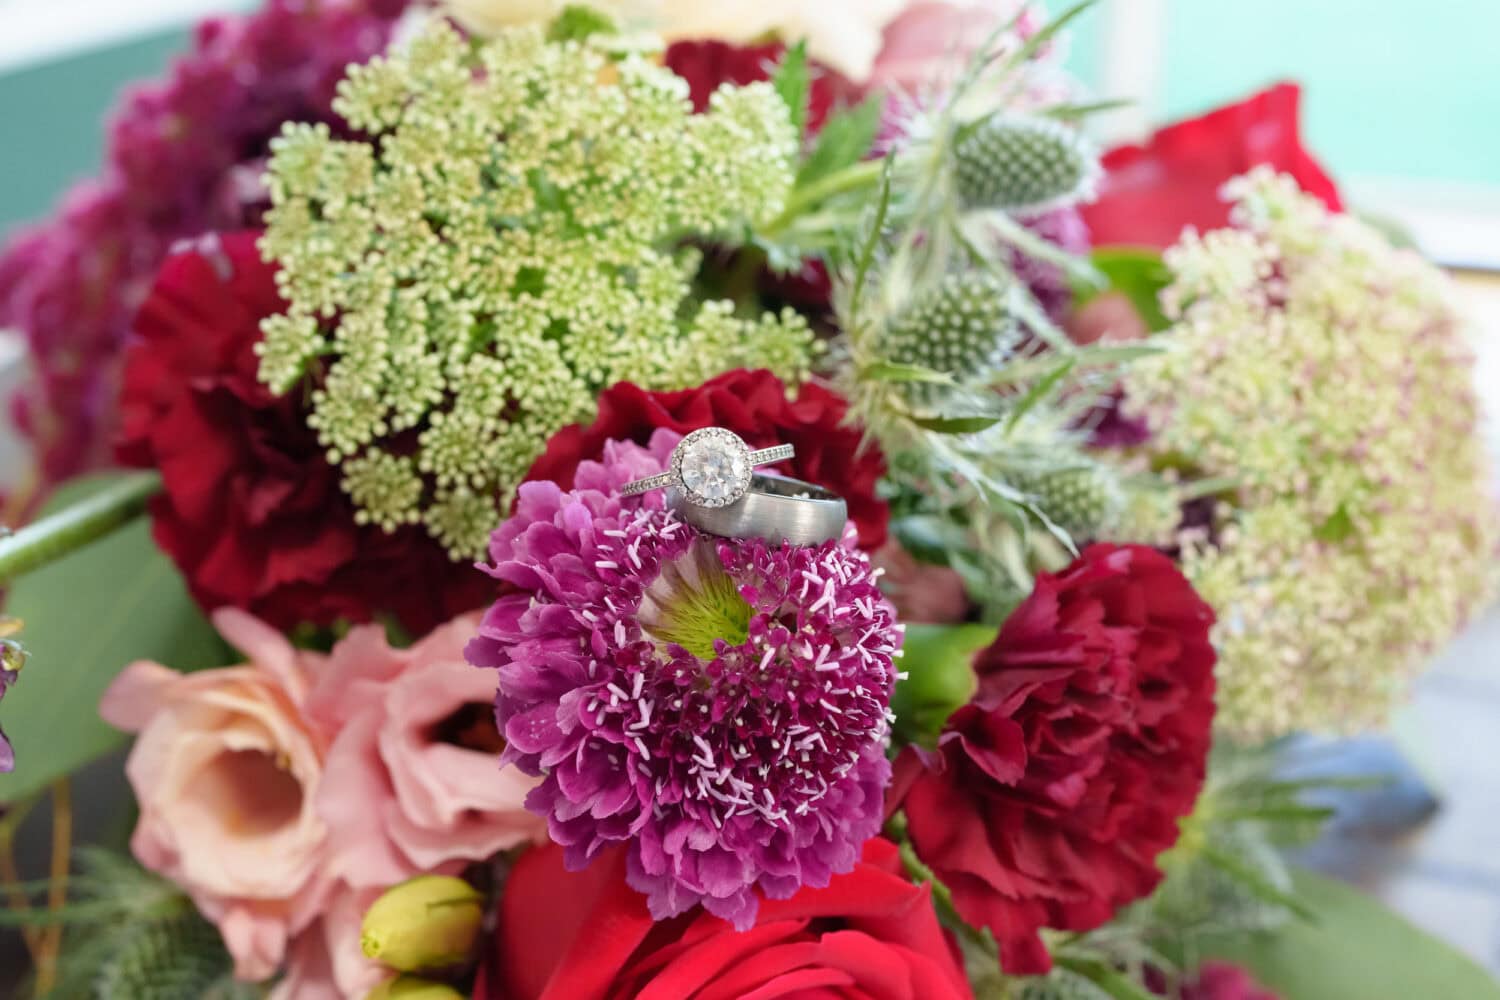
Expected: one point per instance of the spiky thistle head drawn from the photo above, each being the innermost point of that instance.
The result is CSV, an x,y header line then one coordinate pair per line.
x,y
1023,164
1083,499
963,326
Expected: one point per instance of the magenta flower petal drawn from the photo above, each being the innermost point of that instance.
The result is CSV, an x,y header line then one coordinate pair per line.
x,y
720,707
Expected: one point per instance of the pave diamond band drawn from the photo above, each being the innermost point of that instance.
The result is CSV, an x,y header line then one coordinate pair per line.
x,y
711,467
775,508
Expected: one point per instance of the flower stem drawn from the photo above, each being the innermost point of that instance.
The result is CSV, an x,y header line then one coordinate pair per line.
x,y
49,539
865,173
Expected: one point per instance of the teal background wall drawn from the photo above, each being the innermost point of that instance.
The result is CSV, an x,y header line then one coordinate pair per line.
x,y
1393,88
52,120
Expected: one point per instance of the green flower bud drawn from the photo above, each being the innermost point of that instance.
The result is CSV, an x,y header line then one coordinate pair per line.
x,y
963,327
1023,165
1082,500
938,661
412,988
428,922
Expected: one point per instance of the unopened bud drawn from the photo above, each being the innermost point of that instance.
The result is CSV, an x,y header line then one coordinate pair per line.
x,y
428,922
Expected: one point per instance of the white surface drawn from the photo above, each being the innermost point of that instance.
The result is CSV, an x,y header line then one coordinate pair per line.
x,y
36,31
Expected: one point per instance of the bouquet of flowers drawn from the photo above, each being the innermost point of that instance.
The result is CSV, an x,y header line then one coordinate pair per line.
x,y
637,508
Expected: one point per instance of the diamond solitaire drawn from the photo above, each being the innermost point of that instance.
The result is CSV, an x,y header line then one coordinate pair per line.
x,y
711,466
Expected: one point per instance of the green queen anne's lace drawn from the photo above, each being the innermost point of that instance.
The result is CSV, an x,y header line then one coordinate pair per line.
x,y
500,248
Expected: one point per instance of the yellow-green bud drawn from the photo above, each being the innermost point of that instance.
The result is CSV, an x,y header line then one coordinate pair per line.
x,y
428,922
412,988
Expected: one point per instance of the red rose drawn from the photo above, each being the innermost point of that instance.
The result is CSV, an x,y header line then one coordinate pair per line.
x,y
755,406
871,935
1053,791
1152,192
251,511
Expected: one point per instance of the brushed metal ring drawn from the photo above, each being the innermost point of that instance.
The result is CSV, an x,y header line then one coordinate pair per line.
x,y
775,508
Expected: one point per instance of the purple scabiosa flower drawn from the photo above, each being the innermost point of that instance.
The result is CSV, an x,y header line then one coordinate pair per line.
x,y
721,707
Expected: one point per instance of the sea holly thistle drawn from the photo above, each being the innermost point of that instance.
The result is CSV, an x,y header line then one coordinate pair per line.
x,y
503,246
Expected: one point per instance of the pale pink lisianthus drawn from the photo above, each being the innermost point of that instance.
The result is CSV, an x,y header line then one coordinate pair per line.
x,y
226,770
413,781
326,961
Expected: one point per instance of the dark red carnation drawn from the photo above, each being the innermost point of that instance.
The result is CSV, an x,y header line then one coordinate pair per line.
x,y
1152,192
708,65
755,406
871,935
251,511
1053,791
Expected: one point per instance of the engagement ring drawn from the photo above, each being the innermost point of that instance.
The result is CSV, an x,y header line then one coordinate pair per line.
x,y
710,467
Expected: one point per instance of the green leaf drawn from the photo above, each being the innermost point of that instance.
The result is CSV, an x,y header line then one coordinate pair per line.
x,y
577,22
1041,390
937,660
1103,975
86,617
971,423
793,81
1083,109
845,139
895,371
1140,276
1357,950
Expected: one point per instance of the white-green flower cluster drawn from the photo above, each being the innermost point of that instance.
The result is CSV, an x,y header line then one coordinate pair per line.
x,y
1326,374
465,281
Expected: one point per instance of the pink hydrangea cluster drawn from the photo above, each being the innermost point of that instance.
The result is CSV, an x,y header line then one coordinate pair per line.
x,y
183,159
721,707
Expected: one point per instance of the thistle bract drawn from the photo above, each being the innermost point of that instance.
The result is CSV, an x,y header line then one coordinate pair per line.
x,y
962,327
1023,165
501,248
1083,500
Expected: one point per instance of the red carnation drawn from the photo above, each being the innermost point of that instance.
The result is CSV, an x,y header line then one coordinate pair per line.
x,y
871,935
1053,791
251,511
755,406
1152,192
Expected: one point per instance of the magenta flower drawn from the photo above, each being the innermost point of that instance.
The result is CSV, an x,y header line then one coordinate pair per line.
x,y
7,753
722,708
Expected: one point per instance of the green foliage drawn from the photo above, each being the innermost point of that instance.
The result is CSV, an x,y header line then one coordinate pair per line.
x,y
133,936
1021,165
938,662
1060,984
845,139
175,959
86,616
1354,949
1137,273
793,81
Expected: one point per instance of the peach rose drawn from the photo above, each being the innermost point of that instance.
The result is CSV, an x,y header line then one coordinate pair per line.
x,y
227,773
413,781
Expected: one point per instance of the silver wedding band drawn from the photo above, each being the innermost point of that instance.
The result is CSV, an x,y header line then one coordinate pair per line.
x,y
775,508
